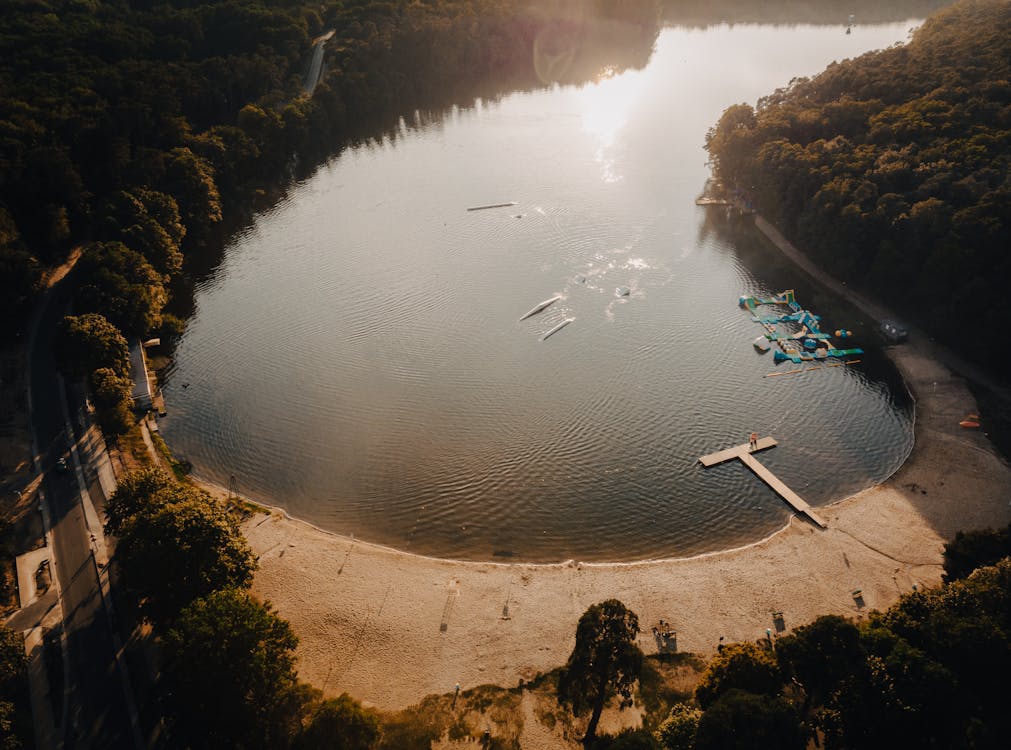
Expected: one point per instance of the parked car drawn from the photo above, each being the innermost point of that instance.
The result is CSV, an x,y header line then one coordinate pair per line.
x,y
62,466
894,331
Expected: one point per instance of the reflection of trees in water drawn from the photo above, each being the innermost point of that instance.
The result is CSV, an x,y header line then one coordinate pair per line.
x,y
571,48
827,12
566,43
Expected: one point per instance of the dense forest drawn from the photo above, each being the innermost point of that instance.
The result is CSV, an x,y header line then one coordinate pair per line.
x,y
927,673
143,123
691,12
892,171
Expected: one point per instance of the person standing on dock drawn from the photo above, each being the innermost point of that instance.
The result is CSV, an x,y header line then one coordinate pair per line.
x,y
753,441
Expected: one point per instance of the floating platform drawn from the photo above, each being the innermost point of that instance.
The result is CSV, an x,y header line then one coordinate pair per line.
x,y
746,454
556,329
492,205
541,306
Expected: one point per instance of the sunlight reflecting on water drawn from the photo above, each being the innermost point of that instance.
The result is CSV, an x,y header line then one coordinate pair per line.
x,y
359,356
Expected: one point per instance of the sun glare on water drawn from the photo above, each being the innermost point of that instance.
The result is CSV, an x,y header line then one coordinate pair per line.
x,y
606,106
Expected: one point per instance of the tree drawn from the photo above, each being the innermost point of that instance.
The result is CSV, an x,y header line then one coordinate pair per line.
x,y
739,720
821,655
112,396
85,343
604,662
12,660
181,551
230,672
339,722
678,730
141,491
974,549
148,222
119,283
20,276
190,180
743,666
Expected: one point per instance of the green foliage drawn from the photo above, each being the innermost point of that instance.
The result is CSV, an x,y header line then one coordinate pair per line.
x,y
175,542
148,222
604,662
120,284
230,670
140,492
740,666
12,660
413,729
891,171
182,550
929,672
973,549
339,722
85,343
12,676
739,720
190,178
20,276
8,736
111,395
678,730
627,739
821,655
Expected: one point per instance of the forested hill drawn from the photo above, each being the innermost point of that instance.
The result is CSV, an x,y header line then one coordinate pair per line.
x,y
691,12
139,122
892,171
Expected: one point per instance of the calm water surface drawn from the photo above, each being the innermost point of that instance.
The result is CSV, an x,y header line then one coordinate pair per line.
x,y
358,359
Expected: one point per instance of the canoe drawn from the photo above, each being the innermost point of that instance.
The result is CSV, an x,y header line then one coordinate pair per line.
x,y
557,328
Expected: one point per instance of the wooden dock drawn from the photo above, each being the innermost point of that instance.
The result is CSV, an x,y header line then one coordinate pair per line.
x,y
745,454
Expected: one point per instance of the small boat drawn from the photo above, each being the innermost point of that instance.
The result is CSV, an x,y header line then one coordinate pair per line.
x,y
540,306
761,343
557,328
492,205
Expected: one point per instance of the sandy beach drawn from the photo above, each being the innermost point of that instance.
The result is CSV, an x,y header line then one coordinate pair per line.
x,y
389,627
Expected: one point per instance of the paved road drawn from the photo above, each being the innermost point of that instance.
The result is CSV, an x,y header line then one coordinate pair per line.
x,y
97,714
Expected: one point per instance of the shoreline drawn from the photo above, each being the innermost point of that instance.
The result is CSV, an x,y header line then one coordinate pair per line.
x,y
390,627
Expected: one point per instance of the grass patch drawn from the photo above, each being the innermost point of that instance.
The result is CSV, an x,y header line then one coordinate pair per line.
x,y
181,469
132,444
246,508
667,679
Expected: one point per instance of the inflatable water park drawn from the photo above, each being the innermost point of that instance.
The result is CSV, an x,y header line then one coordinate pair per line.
x,y
796,334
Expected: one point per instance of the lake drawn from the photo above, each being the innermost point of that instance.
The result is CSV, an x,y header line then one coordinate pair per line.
x,y
358,359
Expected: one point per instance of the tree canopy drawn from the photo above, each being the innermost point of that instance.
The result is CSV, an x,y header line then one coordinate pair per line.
x,y
85,343
339,722
928,672
120,284
740,666
605,661
973,549
891,170
179,548
230,670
